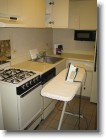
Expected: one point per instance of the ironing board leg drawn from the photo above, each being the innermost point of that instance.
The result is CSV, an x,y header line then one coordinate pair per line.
x,y
62,114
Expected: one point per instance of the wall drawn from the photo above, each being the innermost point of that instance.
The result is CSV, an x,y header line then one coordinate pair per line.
x,y
24,39
66,38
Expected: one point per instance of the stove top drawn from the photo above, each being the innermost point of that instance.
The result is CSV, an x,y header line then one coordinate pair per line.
x,y
15,76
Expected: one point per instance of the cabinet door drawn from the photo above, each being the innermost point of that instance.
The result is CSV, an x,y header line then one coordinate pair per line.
x,y
57,13
74,16
3,6
33,13
60,13
60,67
88,14
83,14
11,7
14,7
87,88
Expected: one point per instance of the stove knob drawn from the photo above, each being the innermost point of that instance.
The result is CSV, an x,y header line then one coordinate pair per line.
x,y
27,84
30,82
23,87
37,79
34,80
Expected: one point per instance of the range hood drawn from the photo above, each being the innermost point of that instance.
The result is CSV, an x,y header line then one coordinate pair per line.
x,y
9,20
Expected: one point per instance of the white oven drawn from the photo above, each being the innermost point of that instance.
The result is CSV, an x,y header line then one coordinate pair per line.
x,y
30,109
3,64
21,99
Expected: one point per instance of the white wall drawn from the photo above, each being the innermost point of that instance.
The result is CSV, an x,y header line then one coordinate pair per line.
x,y
24,39
66,38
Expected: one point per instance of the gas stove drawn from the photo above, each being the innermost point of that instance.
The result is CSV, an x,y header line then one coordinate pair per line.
x,y
20,91
16,76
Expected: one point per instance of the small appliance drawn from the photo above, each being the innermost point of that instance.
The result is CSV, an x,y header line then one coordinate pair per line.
x,y
85,35
58,49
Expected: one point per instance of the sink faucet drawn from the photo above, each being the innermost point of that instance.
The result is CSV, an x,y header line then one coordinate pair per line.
x,y
42,54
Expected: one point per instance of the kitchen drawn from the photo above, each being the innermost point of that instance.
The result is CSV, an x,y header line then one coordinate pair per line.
x,y
30,31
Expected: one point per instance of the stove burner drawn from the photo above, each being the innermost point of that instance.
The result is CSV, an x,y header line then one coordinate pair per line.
x,y
15,81
1,77
1,71
15,75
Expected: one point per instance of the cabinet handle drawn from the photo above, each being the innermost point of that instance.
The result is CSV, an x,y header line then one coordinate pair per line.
x,y
51,22
13,18
51,3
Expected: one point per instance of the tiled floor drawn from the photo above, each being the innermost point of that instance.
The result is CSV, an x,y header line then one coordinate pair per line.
x,y
89,122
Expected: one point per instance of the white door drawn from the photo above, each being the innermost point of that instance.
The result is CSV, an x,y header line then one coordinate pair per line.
x,y
30,106
60,13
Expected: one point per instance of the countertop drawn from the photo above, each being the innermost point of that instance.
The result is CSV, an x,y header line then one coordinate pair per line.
x,y
42,67
82,57
39,67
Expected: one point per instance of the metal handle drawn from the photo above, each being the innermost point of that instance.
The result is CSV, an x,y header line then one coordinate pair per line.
x,y
51,22
13,18
30,90
51,3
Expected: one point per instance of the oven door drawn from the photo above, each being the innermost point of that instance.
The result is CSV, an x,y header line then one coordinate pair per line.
x,y
30,107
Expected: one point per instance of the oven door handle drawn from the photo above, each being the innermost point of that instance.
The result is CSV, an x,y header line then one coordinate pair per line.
x,y
29,91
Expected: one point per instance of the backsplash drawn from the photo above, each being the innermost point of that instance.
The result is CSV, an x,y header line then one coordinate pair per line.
x,y
24,39
5,49
66,38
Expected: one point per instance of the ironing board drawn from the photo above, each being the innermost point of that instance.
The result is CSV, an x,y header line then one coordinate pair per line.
x,y
59,89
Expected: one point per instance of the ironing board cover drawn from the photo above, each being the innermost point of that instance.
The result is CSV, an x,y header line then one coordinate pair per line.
x,y
59,89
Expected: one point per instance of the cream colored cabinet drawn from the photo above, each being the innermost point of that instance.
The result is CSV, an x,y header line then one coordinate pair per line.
x,y
83,14
33,14
60,67
94,88
3,6
88,66
56,15
10,8
30,13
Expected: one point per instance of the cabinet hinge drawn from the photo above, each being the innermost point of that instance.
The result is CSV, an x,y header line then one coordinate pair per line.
x,y
51,3
51,22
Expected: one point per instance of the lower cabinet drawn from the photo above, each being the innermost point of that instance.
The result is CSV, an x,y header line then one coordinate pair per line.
x,y
87,86
60,67
94,88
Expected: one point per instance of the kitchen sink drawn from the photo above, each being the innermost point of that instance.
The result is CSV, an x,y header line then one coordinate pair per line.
x,y
48,59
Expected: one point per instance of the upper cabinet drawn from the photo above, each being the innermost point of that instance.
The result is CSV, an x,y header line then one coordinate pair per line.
x,y
24,13
83,14
73,14
33,14
10,8
10,12
57,13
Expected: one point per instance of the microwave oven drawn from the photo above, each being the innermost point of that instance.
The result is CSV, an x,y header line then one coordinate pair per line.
x,y
84,35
